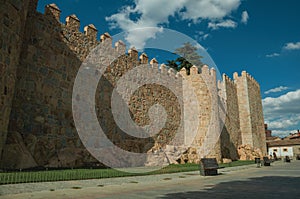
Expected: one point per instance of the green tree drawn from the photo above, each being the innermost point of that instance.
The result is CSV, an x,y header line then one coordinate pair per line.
x,y
188,57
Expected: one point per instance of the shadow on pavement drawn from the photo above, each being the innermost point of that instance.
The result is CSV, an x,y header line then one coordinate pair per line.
x,y
263,187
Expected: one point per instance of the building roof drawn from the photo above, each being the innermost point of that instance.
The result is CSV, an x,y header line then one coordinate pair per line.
x,y
272,138
293,136
284,143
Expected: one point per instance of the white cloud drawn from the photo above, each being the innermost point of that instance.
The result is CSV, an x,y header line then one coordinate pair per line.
x,y
283,113
283,133
139,36
208,9
204,37
201,35
284,124
223,24
287,103
154,13
273,55
277,89
292,46
245,17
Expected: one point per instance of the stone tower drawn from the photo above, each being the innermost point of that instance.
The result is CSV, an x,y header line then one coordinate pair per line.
x,y
250,111
39,60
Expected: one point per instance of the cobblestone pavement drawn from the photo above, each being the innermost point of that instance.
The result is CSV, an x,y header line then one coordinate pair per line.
x,y
281,180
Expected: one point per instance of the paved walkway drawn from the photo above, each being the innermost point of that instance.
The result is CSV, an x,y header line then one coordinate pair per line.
x,y
281,180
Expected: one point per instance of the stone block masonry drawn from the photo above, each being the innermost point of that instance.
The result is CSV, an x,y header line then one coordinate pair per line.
x,y
251,112
231,132
13,15
39,60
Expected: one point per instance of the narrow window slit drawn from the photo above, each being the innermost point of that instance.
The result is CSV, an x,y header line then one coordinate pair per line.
x,y
5,90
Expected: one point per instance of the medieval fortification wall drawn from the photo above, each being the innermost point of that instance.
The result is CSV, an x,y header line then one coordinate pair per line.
x,y
39,59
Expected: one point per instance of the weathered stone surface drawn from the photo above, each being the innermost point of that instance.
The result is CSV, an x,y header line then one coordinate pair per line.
x,y
16,154
172,155
68,157
231,134
189,156
225,160
13,17
39,60
247,152
251,112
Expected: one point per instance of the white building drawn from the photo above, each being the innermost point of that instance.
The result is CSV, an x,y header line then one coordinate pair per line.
x,y
284,148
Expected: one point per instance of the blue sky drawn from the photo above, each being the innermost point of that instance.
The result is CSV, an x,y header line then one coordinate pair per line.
x,y
259,36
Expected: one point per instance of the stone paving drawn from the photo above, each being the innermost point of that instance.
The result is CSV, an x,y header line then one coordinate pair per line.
x,y
281,180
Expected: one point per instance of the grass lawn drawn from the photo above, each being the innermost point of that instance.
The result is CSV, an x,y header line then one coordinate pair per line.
x,y
83,174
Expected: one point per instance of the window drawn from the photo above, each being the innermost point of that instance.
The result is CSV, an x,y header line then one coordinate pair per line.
x,y
275,150
5,90
285,150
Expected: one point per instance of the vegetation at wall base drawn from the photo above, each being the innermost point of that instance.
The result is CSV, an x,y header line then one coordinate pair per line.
x,y
85,174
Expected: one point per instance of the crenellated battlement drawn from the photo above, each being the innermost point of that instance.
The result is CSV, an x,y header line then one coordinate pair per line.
x,y
143,58
105,36
154,63
228,80
172,72
226,87
72,22
195,71
120,47
133,53
53,10
39,75
163,69
183,72
246,76
208,71
91,31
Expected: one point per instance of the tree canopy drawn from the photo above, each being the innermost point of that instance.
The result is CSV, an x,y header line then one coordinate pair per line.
x,y
188,57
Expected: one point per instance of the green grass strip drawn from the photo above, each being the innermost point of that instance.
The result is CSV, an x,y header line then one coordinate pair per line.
x,y
84,174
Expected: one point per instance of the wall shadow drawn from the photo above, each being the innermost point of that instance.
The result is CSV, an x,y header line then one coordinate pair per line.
x,y
262,187
228,149
41,129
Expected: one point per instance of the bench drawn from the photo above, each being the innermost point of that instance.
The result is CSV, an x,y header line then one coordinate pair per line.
x,y
258,162
287,159
267,161
209,166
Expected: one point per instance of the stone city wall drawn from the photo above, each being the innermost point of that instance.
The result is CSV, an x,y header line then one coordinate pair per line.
x,y
13,16
250,112
40,57
231,133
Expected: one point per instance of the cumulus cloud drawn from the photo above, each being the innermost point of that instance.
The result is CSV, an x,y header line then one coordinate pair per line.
x,y
284,124
208,9
245,17
283,113
201,35
287,103
292,46
155,13
205,36
223,24
288,46
283,133
277,89
273,55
